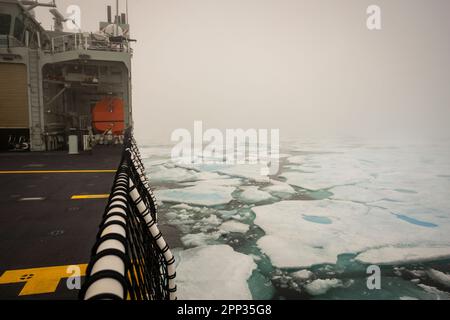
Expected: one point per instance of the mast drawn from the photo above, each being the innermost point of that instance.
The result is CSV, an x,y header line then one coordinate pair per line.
x,y
116,33
126,10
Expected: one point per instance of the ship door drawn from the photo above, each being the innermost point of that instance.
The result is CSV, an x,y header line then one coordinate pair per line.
x,y
14,114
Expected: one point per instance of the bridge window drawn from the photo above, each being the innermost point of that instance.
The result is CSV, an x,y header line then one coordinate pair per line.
x,y
19,27
5,24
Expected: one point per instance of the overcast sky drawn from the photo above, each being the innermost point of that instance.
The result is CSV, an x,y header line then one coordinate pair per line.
x,y
308,67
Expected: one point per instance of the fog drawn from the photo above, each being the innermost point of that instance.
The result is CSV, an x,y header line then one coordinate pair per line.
x,y
307,67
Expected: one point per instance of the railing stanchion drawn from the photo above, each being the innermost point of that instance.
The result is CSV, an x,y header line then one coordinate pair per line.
x,y
131,259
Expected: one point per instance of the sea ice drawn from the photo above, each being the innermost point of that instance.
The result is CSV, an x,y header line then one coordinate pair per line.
x,y
234,226
302,275
200,239
252,195
406,298
395,255
322,286
435,293
280,189
214,273
324,179
247,171
357,193
226,182
439,277
291,241
202,194
163,174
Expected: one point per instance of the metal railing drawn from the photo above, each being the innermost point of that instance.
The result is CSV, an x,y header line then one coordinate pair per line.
x,y
131,260
88,41
7,41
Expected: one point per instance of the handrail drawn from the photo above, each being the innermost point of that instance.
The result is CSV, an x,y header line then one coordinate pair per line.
x,y
131,260
7,41
88,41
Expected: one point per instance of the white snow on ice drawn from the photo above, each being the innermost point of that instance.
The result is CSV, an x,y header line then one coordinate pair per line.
x,y
252,195
439,277
280,189
200,239
302,275
292,241
201,194
396,255
436,293
234,226
390,204
322,286
214,273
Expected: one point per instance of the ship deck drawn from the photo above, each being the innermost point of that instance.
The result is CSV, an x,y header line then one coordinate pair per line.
x,y
51,205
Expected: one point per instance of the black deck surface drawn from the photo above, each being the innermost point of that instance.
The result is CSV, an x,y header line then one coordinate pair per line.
x,y
49,229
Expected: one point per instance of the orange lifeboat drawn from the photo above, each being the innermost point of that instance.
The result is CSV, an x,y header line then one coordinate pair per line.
x,y
108,114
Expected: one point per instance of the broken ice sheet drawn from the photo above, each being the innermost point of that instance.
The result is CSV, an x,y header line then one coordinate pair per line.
x,y
201,194
291,241
214,272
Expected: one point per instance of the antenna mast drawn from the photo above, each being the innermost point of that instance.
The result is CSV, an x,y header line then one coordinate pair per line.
x,y
126,11
116,32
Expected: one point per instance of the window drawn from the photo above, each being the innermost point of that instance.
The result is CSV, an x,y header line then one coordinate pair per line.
x,y
5,24
18,29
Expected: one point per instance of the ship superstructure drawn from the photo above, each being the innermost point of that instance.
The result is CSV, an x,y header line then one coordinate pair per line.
x,y
72,90
56,84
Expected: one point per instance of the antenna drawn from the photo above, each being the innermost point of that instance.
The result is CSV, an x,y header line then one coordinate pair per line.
x,y
109,14
126,11
116,32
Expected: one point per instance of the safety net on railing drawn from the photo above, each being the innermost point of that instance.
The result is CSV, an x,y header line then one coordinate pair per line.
x,y
130,260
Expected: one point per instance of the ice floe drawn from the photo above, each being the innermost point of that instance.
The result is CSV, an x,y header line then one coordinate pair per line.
x,y
200,239
247,171
302,275
436,293
234,226
214,273
439,277
227,182
396,255
161,173
305,233
388,204
322,286
324,179
252,195
201,194
280,189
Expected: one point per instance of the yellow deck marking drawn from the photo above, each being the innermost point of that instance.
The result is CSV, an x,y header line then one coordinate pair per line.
x,y
57,171
39,280
90,196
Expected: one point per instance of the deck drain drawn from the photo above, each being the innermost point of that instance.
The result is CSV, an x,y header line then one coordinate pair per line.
x,y
27,276
57,233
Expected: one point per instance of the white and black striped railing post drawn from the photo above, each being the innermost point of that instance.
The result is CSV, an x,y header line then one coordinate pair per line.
x,y
131,259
